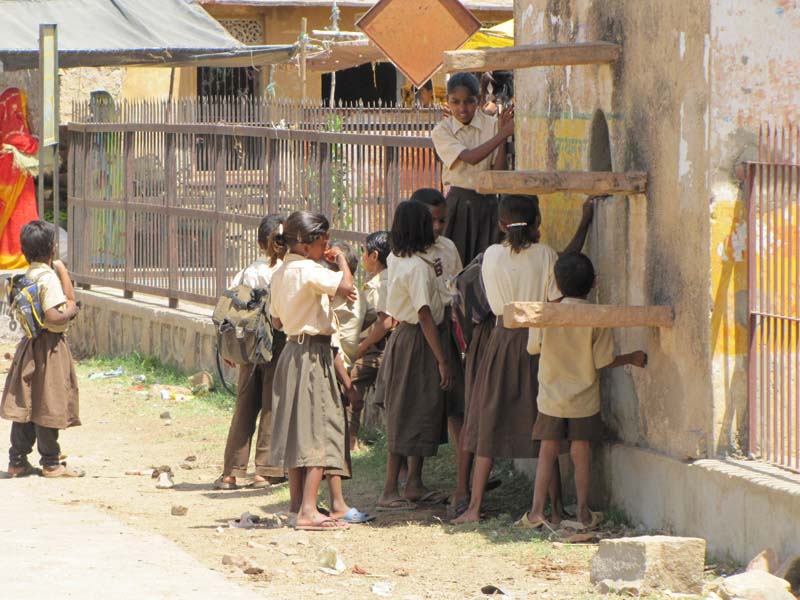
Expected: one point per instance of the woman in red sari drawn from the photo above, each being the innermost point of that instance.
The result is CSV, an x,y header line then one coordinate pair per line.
x,y
18,166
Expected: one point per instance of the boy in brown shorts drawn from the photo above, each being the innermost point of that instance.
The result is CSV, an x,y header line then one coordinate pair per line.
x,y
569,391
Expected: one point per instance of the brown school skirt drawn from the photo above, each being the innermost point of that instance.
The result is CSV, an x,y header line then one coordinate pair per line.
x,y
505,389
414,402
308,419
471,222
454,397
41,386
347,471
475,353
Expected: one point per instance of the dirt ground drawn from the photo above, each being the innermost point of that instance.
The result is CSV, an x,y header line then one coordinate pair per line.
x,y
409,556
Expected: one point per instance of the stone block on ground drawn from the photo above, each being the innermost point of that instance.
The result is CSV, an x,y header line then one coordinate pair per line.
x,y
755,585
766,560
659,562
622,588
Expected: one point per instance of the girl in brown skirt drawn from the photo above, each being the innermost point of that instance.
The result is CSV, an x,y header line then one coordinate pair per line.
x,y
308,422
41,391
414,371
469,142
505,387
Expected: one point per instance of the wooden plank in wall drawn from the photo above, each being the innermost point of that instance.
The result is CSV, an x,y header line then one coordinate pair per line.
x,y
531,55
595,183
556,314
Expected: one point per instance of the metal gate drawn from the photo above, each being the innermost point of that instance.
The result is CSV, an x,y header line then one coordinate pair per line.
x,y
774,353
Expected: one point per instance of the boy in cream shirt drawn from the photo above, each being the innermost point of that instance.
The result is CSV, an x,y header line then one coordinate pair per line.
x,y
569,390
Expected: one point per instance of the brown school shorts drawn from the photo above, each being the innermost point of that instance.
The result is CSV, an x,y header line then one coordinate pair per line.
x,y
558,428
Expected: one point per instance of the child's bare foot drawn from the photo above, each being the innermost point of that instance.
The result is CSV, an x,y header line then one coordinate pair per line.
x,y
414,491
391,502
316,521
585,516
225,482
471,515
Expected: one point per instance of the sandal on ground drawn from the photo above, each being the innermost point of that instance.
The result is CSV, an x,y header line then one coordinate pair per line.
x,y
396,505
525,523
259,485
24,470
221,484
62,470
597,518
355,517
434,498
492,484
321,525
457,508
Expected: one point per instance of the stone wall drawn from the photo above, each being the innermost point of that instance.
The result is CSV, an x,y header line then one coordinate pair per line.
x,y
649,248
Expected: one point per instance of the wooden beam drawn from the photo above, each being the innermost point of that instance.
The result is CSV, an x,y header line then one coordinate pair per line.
x,y
595,183
531,55
557,314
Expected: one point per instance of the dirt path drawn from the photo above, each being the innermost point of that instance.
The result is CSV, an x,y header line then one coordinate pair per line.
x,y
413,555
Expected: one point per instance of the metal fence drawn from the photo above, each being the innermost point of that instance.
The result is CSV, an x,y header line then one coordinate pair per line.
x,y
172,208
774,287
353,117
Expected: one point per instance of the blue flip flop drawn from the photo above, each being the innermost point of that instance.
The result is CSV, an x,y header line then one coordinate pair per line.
x,y
355,516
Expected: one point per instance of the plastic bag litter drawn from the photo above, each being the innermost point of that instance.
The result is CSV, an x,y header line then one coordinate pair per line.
x,y
246,521
107,374
382,588
329,561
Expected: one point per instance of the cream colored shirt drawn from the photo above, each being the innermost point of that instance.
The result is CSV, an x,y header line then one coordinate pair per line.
x,y
569,385
51,294
300,296
257,275
524,277
350,314
412,285
375,292
447,264
451,138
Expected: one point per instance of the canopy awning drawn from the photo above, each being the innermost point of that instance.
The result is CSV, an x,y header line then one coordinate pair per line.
x,y
499,36
98,33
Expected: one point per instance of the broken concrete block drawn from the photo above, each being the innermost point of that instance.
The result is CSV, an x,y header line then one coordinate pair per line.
x,y
755,585
659,562
179,511
766,560
790,571
622,588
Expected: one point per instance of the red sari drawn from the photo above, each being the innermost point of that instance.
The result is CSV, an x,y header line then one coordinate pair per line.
x,y
18,148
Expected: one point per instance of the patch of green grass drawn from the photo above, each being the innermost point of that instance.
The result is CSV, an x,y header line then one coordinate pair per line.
x,y
155,372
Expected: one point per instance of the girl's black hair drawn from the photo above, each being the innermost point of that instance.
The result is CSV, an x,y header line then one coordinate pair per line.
x,y
268,226
521,217
574,274
412,229
465,80
379,242
38,239
299,228
428,196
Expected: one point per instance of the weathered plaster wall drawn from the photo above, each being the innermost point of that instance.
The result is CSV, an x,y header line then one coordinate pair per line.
x,y
755,77
649,249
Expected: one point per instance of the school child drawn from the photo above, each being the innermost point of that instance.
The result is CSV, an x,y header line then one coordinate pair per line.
x,y
447,265
308,423
41,390
254,390
477,321
373,339
350,313
415,370
469,142
569,391
519,269
477,312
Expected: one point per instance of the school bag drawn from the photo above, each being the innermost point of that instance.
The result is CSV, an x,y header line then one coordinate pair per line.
x,y
26,306
244,330
470,305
